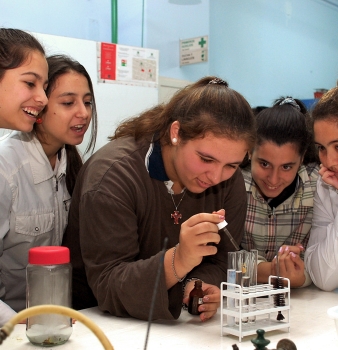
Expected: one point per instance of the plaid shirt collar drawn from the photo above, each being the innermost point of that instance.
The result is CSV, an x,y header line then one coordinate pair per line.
x,y
293,200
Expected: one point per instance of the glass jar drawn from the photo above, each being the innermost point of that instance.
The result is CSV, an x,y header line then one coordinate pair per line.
x,y
48,276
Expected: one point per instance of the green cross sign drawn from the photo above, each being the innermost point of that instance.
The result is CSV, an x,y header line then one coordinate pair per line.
x,y
202,42
194,50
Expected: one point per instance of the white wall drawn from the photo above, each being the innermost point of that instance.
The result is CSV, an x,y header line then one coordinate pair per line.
x,y
168,21
266,48
130,22
83,19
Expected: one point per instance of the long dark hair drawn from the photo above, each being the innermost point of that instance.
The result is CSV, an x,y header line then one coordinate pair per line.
x,y
208,105
58,66
287,121
15,47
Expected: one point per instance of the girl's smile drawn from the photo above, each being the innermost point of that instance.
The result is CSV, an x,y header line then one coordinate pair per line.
x,y
274,167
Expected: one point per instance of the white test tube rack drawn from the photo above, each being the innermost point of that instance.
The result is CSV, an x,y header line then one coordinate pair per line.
x,y
265,313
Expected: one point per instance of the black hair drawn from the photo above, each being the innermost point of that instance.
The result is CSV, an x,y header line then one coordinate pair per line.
x,y
258,109
287,121
58,66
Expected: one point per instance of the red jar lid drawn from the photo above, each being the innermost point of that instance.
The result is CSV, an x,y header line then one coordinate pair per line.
x,y
48,255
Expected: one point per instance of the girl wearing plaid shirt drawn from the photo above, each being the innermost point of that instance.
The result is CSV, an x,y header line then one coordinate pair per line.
x,y
280,183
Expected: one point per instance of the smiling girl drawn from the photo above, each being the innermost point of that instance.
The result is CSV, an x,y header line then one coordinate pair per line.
x,y
169,172
23,79
280,183
321,254
38,172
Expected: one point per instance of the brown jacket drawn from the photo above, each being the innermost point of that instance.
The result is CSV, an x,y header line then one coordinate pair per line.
x,y
118,220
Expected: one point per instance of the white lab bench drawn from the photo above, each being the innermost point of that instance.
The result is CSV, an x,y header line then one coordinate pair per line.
x,y
310,329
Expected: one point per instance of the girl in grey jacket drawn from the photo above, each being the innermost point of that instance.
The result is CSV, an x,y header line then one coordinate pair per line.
x,y
37,174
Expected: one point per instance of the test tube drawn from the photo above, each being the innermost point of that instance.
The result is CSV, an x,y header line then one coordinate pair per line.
x,y
239,266
245,302
231,278
253,283
246,276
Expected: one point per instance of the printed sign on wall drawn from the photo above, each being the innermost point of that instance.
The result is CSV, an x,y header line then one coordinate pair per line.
x,y
194,50
127,65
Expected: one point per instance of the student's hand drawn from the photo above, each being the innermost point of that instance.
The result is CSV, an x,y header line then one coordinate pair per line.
x,y
196,233
297,249
328,176
211,299
291,266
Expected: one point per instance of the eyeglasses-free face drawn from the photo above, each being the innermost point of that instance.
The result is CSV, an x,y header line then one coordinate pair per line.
x,y
22,93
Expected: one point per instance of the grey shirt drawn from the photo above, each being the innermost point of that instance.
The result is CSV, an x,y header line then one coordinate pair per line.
x,y
33,209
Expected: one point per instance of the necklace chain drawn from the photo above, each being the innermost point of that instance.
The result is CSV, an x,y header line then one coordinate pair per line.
x,y
176,215
176,206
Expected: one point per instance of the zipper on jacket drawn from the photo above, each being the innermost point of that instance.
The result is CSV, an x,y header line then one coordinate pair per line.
x,y
57,179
